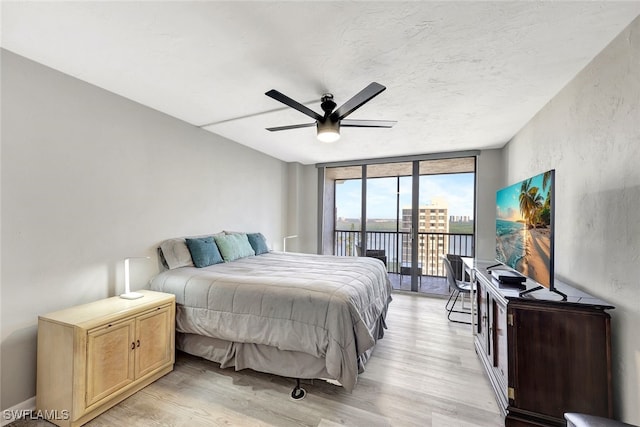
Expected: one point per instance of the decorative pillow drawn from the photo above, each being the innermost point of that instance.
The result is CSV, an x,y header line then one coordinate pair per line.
x,y
258,243
176,253
234,246
204,251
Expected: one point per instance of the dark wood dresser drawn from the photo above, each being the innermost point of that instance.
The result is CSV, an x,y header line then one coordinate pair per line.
x,y
544,356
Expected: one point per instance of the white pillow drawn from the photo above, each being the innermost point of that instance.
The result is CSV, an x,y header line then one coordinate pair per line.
x,y
176,253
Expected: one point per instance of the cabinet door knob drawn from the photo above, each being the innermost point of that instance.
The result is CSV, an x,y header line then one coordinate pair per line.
x,y
133,346
138,342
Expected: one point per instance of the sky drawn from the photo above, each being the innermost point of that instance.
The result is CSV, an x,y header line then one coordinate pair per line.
x,y
456,189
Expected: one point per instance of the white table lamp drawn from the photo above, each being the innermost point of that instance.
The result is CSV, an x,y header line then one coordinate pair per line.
x,y
284,241
127,288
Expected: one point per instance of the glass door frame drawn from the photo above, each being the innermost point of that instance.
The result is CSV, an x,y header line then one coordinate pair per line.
x,y
326,188
415,218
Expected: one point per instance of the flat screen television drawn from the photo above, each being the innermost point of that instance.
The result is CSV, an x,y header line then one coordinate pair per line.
x,y
524,228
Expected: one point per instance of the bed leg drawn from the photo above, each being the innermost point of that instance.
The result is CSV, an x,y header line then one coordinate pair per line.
x,y
298,392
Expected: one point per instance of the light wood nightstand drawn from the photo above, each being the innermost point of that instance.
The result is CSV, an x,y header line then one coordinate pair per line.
x,y
93,356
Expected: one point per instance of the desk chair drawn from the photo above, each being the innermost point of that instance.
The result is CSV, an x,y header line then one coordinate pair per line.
x,y
458,288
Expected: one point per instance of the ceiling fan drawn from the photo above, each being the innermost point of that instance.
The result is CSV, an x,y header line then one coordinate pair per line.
x,y
328,125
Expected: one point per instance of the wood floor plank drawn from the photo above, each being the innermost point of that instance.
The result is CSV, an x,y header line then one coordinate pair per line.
x,y
424,372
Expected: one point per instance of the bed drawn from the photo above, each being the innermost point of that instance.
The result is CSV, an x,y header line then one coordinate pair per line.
x,y
290,314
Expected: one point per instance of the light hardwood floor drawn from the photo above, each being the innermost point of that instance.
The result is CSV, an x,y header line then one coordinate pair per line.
x,y
424,372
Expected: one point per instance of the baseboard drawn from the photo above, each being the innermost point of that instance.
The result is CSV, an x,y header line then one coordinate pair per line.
x,y
18,411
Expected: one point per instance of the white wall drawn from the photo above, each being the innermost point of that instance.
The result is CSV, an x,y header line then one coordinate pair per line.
x,y
590,134
302,208
489,178
309,214
89,178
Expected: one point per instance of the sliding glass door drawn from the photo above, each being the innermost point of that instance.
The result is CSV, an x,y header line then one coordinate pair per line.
x,y
348,219
407,214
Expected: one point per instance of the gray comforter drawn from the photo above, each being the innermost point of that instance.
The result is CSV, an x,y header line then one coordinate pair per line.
x,y
326,306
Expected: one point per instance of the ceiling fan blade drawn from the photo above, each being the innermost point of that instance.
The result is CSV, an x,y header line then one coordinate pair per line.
x,y
293,104
304,125
367,123
357,101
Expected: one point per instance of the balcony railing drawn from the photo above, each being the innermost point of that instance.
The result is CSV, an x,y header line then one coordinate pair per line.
x,y
397,247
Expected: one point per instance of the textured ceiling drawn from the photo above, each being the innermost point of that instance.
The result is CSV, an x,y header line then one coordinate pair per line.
x,y
459,75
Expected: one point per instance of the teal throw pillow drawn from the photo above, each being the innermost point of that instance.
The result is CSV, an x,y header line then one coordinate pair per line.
x,y
258,243
234,246
204,251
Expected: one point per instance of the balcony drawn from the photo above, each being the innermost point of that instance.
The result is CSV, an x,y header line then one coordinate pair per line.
x,y
397,249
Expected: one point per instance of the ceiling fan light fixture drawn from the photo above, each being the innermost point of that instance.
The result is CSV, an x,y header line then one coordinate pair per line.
x,y
328,125
328,131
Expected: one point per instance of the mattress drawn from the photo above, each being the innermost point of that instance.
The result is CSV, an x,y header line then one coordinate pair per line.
x,y
322,307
